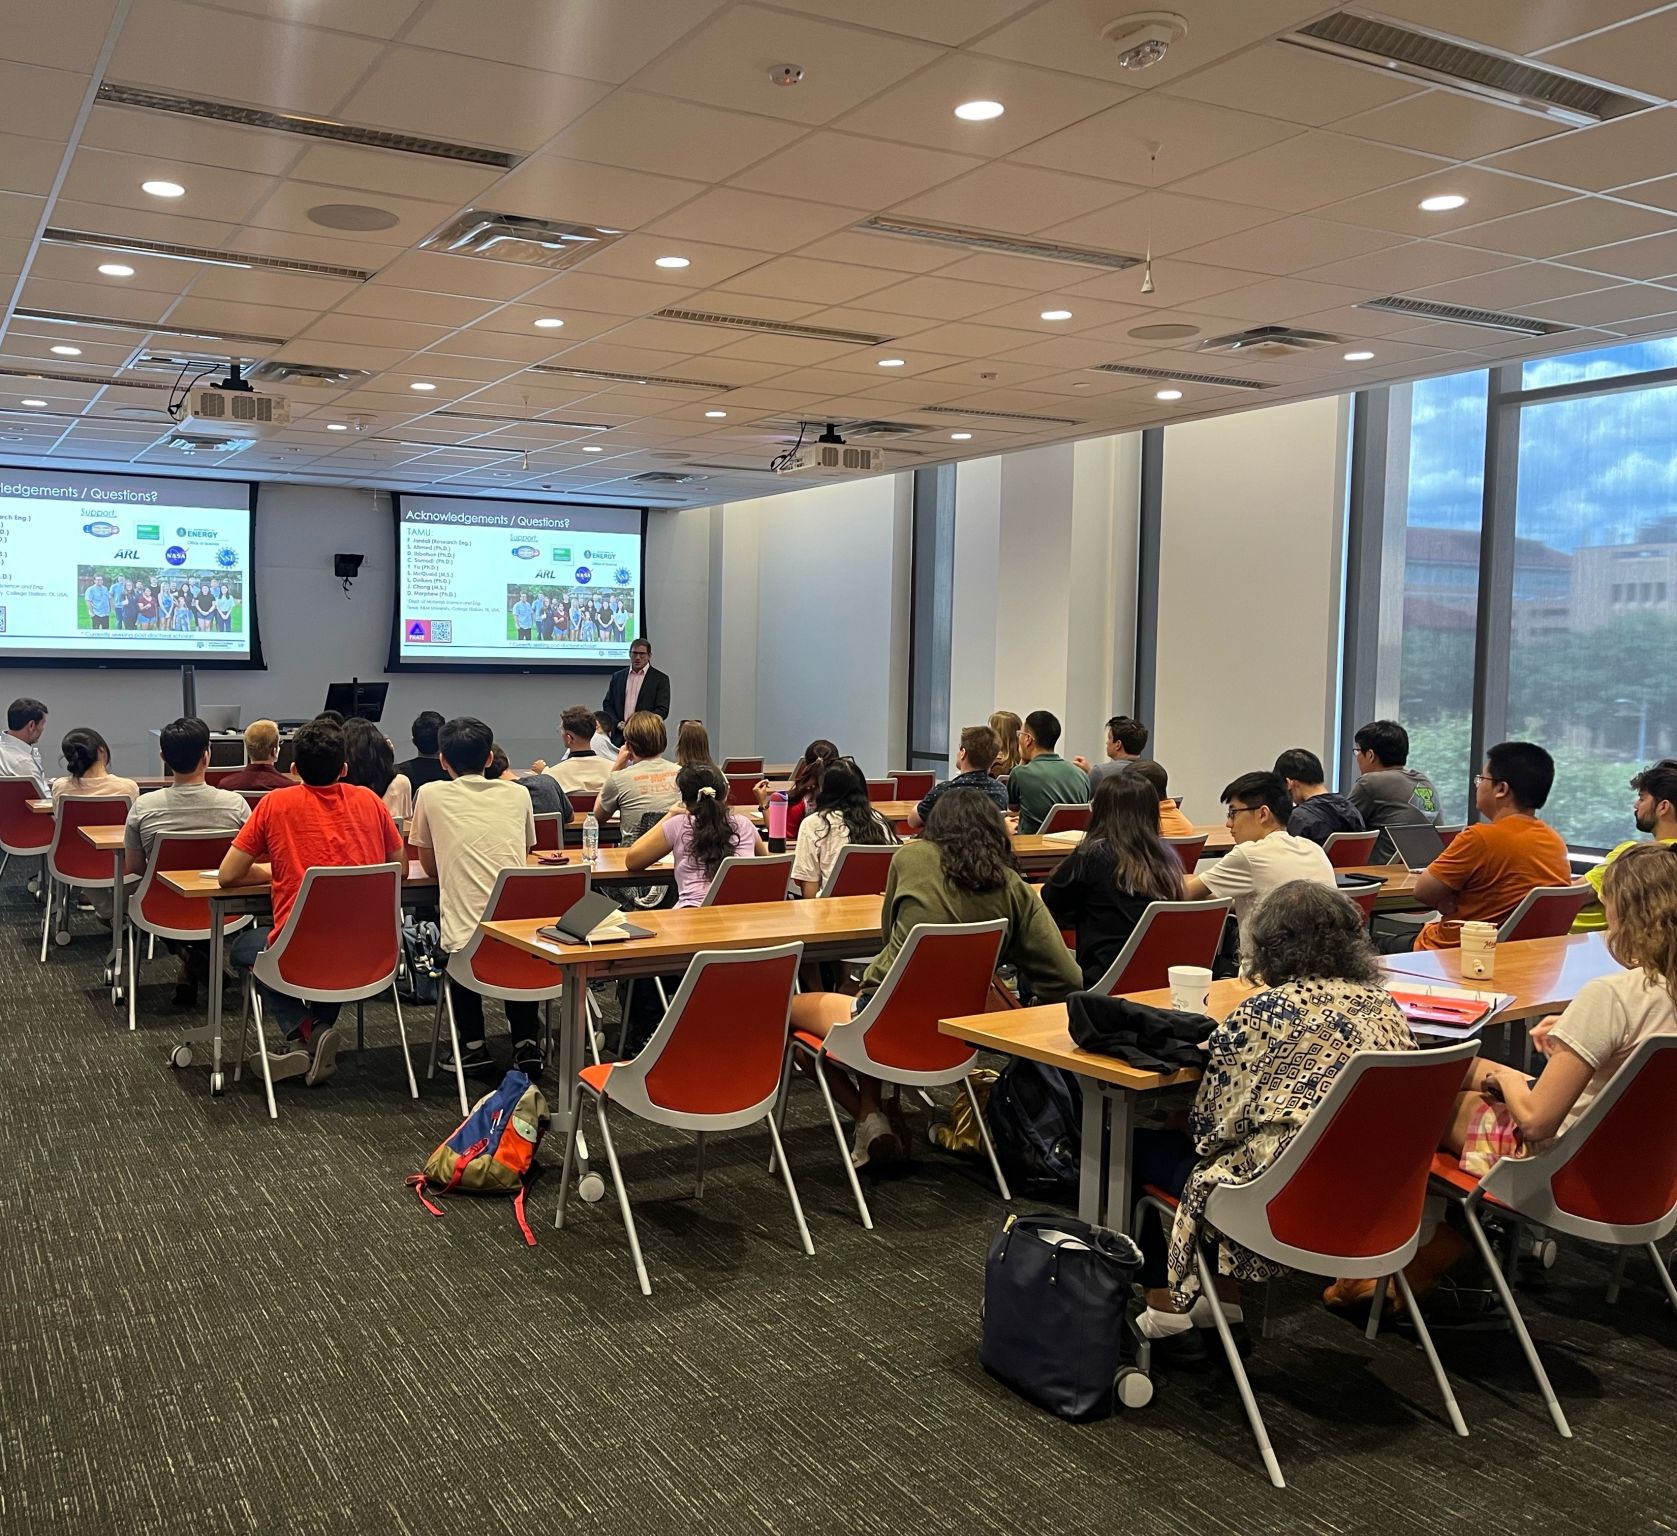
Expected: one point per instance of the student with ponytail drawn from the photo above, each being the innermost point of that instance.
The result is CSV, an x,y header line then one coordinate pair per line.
x,y
87,756
701,832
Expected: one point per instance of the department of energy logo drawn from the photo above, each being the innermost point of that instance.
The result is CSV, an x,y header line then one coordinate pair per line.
x,y
526,551
102,530
584,575
624,576
226,557
175,555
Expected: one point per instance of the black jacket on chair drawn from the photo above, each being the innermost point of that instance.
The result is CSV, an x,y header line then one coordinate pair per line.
x,y
654,695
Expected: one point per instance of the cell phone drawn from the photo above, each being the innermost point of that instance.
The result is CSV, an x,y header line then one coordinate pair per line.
x,y
552,856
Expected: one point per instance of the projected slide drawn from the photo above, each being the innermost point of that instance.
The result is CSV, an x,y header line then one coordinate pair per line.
x,y
509,583
97,568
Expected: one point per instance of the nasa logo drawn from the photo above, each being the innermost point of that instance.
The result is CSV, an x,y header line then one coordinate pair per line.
x,y
584,575
526,551
175,555
101,530
624,576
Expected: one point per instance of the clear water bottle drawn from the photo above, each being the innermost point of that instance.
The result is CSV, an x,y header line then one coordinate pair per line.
x,y
590,840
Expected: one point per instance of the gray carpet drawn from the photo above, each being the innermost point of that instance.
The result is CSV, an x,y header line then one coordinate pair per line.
x,y
212,1323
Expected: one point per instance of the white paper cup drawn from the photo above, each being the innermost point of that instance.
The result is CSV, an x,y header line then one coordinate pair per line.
x,y
1478,950
1190,988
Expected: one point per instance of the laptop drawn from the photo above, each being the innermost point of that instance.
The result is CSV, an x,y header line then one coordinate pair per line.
x,y
220,718
1416,846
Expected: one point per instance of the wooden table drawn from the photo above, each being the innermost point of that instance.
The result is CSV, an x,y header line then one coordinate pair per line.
x,y
111,840
1542,975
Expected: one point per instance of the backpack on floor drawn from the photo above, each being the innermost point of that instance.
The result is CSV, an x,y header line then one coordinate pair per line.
x,y
1035,1114
421,969
492,1151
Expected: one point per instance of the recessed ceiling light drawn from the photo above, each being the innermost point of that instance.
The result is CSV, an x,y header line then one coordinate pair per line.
x,y
672,261
68,351
590,448
163,188
979,111
37,404
1168,394
422,387
1443,203
960,437
890,362
716,415
115,269
1358,357
337,426
548,323
1056,314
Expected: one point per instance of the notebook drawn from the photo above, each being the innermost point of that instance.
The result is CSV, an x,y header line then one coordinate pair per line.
x,y
1448,1013
595,919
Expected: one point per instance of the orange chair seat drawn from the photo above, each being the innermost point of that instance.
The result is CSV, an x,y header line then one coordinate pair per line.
x,y
1164,1197
1446,1169
804,1037
594,1078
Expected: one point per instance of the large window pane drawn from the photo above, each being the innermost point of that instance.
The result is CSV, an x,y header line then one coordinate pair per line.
x,y
1591,671
1609,363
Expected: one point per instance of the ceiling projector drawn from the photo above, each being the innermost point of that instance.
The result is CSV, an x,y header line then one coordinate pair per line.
x,y
232,407
829,457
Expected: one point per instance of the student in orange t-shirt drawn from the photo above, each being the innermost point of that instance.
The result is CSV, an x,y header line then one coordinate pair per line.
x,y
320,823
1486,872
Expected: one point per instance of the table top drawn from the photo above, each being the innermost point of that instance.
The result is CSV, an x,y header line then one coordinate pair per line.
x,y
106,839
1543,975
682,931
1040,1034
891,810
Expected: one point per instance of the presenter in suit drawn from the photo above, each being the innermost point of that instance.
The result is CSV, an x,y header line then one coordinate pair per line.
x,y
640,685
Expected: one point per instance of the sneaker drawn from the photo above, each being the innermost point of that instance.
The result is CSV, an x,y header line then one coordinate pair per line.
x,y
527,1058
323,1055
1182,1350
876,1142
474,1057
288,1051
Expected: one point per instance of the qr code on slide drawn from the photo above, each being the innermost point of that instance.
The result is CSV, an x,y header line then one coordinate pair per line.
x,y
442,631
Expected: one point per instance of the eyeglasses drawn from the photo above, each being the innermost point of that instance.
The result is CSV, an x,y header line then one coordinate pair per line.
x,y
1483,778
1237,810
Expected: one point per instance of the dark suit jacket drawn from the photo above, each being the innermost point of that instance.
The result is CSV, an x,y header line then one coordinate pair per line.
x,y
655,695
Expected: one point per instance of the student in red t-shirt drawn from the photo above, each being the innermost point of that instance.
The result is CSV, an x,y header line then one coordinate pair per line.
x,y
320,823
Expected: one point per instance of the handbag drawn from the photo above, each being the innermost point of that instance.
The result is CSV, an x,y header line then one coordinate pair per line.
x,y
1055,1292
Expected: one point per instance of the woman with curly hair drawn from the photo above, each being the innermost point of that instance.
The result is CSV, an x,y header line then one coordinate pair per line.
x,y
961,871
1269,1063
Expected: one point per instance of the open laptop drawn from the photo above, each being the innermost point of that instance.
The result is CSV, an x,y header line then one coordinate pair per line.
x,y
1416,846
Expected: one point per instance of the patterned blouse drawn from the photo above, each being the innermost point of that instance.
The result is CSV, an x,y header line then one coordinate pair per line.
x,y
1271,1062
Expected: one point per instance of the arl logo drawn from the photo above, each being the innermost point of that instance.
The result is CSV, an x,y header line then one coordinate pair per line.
x,y
547,575
125,554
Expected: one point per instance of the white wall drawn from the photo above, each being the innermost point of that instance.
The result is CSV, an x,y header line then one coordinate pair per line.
x,y
312,635
1251,573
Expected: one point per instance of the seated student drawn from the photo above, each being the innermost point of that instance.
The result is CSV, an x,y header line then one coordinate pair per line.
x,y
600,743
188,804
962,871
807,774
1126,739
467,828
1043,778
261,749
87,757
1655,812
1122,864
1317,811
1486,872
320,823
581,768
1265,853
371,762
692,744
1172,823
20,751
974,757
842,815
1388,793
1007,726
546,797
645,784
1272,1061
701,832
425,767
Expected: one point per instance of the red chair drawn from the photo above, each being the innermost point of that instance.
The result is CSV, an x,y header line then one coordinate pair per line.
x,y
716,1063
1450,834
161,913
1169,933
1610,1178
860,870
1347,849
583,800
252,797
1188,849
1065,817
1546,912
882,789
550,831
72,861
23,832
912,786
1363,896
739,881
495,969
214,776
340,944
732,766
742,788
942,972
1344,1198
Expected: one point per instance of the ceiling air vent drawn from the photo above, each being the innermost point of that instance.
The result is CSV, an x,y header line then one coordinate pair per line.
x,y
995,244
205,256
1041,421
774,327
487,421
1466,68
204,442
664,477
605,376
315,375
1271,341
144,327
513,237
1460,314
175,364
146,99
98,380
1175,376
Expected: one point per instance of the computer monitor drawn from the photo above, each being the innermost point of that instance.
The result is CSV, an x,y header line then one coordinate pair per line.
x,y
220,718
1417,846
363,699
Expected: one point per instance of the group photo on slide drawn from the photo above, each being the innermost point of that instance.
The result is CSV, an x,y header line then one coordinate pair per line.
x,y
166,601
565,614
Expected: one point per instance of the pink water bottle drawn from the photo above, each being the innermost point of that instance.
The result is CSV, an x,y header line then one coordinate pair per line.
x,y
777,816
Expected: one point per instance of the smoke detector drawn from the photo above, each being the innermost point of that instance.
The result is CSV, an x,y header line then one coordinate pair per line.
x,y
1144,39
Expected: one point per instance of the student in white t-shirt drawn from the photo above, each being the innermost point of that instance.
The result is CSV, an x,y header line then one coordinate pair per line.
x,y
842,815
581,769
466,830
1612,1015
1265,854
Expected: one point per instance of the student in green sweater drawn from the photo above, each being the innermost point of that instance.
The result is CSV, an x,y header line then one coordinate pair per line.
x,y
1044,779
961,871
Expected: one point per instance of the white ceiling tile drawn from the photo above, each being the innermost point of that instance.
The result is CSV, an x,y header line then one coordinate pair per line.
x,y
76,264
1307,172
722,301
603,295
842,168
1288,245
28,165
634,256
972,340
1578,225
1019,199
1516,26
1629,149
397,304
144,224
1512,288
723,65
937,21
897,253
20,215
874,322
1648,325
789,351
1444,123
289,205
943,299
1659,193
337,251
369,18
109,301
186,141
1279,298
1167,220
376,333
821,282
39,103
1175,282
413,176
1653,257
345,354
579,192
672,335
1065,352
1087,313
1641,55
60,37
1607,306
1278,81
922,110
1489,195
674,138
471,277
1408,264
768,222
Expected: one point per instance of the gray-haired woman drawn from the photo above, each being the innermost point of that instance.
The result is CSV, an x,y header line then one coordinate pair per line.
x,y
1270,1062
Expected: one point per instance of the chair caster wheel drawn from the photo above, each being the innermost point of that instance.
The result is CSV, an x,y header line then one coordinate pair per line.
x,y
592,1188
1545,1251
180,1057
1134,1389
61,939
217,1083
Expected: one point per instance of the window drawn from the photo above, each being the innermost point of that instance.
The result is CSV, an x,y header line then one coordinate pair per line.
x,y
1614,362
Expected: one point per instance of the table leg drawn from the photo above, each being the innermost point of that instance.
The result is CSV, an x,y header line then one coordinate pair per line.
x,y
573,1053
1120,1199
119,915
1090,1186
218,949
